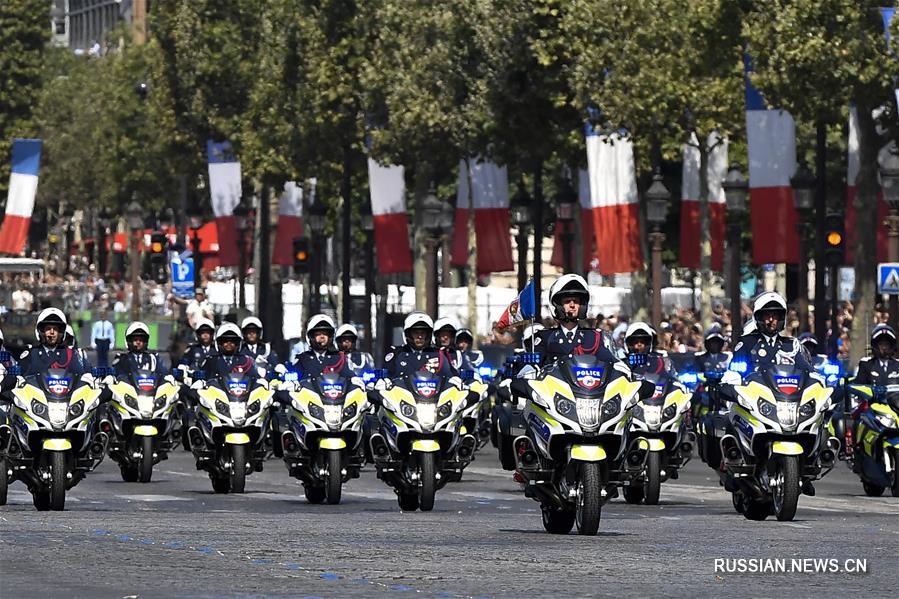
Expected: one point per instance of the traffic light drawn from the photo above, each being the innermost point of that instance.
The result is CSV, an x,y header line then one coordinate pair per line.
x,y
301,255
158,256
834,238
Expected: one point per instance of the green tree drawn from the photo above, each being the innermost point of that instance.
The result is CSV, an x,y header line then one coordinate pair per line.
x,y
815,58
24,33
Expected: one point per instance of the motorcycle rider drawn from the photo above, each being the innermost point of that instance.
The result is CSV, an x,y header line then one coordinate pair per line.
x,y
254,346
8,360
137,337
51,352
228,359
196,353
472,359
418,353
768,346
358,361
569,297
712,358
641,339
70,340
810,344
445,339
322,356
881,368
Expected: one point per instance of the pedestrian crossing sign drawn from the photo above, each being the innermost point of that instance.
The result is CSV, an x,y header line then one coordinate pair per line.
x,y
888,278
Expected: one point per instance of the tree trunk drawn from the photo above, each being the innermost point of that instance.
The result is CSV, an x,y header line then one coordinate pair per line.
x,y
705,238
866,224
472,262
419,266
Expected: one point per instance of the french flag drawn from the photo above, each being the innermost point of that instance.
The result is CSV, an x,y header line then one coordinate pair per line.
x,y
588,239
26,161
388,208
613,202
771,137
522,309
689,220
852,165
491,217
290,223
224,186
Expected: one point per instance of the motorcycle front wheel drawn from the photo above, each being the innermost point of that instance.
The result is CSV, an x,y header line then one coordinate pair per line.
x,y
894,487
57,466
238,476
145,467
428,479
652,485
4,481
786,493
335,477
588,511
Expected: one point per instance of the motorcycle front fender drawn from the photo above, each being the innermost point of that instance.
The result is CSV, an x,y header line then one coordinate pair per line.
x,y
587,453
56,444
787,448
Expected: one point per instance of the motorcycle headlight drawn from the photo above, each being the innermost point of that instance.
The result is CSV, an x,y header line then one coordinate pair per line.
x,y
159,403
767,409
637,412
76,409
652,415
807,410
222,408
131,402
316,411
611,407
350,410
564,406
886,420
253,408
445,410
669,412
407,410
38,408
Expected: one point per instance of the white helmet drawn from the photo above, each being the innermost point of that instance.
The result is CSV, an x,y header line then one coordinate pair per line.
x,y
49,316
530,331
465,333
770,300
446,322
418,320
566,286
69,338
750,327
346,330
641,329
251,321
225,331
137,328
319,322
1,337
204,323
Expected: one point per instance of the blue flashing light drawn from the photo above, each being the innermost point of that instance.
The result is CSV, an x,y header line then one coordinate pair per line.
x,y
368,376
688,378
485,371
291,376
530,358
741,367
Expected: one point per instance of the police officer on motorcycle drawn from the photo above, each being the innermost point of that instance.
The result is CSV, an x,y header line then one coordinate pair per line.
x,y
640,339
51,351
197,353
137,337
569,297
418,353
253,345
322,356
768,346
445,339
358,361
810,344
472,359
227,358
8,360
882,368
712,358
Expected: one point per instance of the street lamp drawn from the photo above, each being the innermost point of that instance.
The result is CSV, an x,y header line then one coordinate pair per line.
x,y
241,223
134,212
803,184
520,215
103,219
367,224
735,191
889,182
195,219
315,218
657,199
437,217
566,203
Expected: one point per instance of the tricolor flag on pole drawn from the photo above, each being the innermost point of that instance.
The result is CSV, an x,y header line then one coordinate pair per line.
x,y
689,219
522,310
388,208
26,161
491,217
614,202
224,187
852,167
290,223
771,137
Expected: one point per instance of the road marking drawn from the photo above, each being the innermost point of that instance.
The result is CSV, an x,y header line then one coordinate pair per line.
x,y
173,473
151,498
794,525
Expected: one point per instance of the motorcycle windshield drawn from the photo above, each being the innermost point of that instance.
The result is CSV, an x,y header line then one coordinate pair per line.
x,y
332,388
425,386
786,382
144,382
57,383
237,386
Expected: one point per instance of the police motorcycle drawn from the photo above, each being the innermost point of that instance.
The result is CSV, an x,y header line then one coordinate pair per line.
x,y
322,446
54,435
476,417
659,421
874,435
576,452
230,438
776,444
419,446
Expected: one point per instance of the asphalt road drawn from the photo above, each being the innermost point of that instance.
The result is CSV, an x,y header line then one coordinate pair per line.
x,y
175,538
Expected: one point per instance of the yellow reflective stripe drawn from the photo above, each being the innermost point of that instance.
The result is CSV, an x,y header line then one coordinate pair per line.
x,y
146,430
588,453
427,445
656,444
57,444
237,438
883,409
787,448
24,415
545,415
742,412
463,430
620,386
755,390
862,389
894,442
550,386
331,443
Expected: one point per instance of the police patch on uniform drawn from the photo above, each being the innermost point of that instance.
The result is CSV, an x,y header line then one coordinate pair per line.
x,y
388,357
738,346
